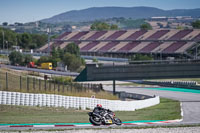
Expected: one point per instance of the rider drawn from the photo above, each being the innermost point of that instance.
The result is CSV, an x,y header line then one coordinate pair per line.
x,y
99,109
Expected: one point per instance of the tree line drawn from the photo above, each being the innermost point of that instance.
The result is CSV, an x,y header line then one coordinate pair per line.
x,y
99,26
69,56
9,38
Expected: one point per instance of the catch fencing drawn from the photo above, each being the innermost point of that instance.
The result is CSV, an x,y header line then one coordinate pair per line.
x,y
19,83
51,100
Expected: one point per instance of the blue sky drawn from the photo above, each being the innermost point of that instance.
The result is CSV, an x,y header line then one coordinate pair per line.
x,y
32,10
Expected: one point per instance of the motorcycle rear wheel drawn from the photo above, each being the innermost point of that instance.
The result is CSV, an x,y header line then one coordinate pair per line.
x,y
94,122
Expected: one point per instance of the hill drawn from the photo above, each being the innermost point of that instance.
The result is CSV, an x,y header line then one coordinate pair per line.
x,y
96,13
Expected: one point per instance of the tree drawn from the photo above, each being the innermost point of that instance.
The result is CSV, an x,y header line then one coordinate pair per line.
x,y
61,52
73,62
25,40
43,59
72,48
114,27
95,60
140,57
54,53
39,40
146,26
16,58
27,58
32,46
9,38
179,27
54,61
103,26
67,59
5,23
196,24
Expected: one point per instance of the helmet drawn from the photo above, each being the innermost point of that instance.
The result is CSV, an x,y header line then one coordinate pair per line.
x,y
99,105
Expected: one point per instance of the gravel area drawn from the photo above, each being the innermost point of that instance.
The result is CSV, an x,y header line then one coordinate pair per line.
x,y
149,130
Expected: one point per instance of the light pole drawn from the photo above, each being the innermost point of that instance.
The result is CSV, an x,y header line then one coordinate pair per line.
x,y
160,54
196,50
48,32
3,39
7,48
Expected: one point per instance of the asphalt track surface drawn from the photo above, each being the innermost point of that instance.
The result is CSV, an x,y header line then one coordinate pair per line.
x,y
41,70
190,99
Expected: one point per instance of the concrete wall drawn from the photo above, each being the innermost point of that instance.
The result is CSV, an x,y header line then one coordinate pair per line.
x,y
49,100
142,71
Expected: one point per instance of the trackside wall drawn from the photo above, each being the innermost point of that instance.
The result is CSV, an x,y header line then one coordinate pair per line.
x,y
50,100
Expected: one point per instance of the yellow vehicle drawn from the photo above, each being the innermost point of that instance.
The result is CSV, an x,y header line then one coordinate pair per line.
x,y
47,66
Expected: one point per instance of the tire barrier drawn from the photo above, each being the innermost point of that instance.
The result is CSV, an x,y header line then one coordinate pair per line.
x,y
124,95
50,100
176,84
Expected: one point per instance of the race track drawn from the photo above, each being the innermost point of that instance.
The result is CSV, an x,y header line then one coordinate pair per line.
x,y
190,105
190,100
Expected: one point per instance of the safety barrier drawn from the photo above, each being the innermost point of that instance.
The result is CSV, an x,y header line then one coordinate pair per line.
x,y
176,84
50,100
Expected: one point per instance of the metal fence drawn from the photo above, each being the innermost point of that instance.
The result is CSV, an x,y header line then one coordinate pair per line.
x,y
19,83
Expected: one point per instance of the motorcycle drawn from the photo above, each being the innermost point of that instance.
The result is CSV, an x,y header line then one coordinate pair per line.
x,y
104,118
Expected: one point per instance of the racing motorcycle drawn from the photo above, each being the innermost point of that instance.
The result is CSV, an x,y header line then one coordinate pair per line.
x,y
106,117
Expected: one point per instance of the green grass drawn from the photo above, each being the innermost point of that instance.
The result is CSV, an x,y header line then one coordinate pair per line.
x,y
23,114
166,110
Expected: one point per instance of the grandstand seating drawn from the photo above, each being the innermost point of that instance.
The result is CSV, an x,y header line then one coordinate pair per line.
x,y
108,46
118,46
63,35
191,35
128,47
146,35
130,41
83,44
161,47
63,45
89,46
186,46
136,34
150,47
97,35
180,34
197,37
157,35
78,35
139,47
115,35
173,47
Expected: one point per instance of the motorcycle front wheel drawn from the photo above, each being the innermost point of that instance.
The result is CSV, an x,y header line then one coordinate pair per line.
x,y
117,121
95,121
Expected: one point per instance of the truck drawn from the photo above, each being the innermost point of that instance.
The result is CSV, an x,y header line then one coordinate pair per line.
x,y
32,65
47,65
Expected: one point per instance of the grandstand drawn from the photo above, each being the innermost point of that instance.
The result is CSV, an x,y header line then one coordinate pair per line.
x,y
130,41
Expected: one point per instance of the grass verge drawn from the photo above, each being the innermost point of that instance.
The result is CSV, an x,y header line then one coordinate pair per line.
x,y
166,110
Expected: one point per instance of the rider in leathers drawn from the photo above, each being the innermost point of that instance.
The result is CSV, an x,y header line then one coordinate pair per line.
x,y
100,110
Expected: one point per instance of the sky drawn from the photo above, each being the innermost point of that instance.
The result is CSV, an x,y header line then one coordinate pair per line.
x,y
23,11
